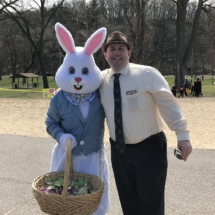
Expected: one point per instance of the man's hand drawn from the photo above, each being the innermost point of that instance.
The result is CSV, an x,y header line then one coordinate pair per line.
x,y
185,147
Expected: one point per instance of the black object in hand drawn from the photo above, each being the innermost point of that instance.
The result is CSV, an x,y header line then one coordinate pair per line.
x,y
177,153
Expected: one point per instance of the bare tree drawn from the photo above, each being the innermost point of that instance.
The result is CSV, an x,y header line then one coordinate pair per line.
x,y
183,52
135,14
160,50
4,4
33,23
11,34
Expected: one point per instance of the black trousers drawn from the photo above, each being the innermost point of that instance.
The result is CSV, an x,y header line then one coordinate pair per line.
x,y
140,175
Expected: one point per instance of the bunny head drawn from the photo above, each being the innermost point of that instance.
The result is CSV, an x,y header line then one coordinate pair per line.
x,y
78,72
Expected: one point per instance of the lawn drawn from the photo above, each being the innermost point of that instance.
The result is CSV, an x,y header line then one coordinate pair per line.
x,y
6,90
208,89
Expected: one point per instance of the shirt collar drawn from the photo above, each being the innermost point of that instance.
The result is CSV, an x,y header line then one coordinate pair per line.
x,y
124,71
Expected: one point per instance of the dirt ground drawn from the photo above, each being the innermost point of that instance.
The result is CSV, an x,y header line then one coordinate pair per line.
x,y
26,117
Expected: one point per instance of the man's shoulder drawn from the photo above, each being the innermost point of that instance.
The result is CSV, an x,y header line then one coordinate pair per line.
x,y
105,71
141,66
138,68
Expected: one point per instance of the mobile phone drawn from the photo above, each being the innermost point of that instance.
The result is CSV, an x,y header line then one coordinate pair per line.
x,y
177,153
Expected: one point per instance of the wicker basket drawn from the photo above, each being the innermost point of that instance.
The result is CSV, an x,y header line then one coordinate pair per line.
x,y
56,204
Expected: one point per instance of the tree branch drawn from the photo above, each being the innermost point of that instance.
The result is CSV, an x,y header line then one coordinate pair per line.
x,y
174,1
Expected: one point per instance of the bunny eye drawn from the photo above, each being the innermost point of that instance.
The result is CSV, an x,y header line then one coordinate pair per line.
x,y
71,70
85,71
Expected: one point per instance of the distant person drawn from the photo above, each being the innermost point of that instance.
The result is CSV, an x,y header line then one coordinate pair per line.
x,y
192,90
197,87
186,87
202,77
181,91
173,90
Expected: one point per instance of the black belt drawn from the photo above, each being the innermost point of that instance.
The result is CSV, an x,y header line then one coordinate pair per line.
x,y
152,137
145,140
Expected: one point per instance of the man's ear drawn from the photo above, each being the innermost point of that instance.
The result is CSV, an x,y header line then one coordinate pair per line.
x,y
129,53
105,54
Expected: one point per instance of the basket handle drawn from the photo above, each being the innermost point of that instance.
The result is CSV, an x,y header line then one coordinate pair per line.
x,y
68,166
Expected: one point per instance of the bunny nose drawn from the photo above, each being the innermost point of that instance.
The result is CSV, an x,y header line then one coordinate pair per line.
x,y
78,79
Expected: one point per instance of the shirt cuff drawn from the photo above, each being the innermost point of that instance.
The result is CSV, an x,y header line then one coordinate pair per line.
x,y
183,136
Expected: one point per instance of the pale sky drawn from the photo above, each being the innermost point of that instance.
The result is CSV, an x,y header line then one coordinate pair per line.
x,y
33,4
26,3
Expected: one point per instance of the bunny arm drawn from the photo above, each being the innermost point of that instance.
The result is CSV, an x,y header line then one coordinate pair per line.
x,y
53,124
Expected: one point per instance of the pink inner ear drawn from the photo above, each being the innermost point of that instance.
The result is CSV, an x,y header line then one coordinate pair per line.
x,y
93,44
65,39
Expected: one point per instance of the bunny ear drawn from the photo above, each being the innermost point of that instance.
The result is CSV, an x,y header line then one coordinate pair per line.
x,y
65,38
95,41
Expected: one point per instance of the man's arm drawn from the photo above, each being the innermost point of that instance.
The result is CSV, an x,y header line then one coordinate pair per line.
x,y
170,111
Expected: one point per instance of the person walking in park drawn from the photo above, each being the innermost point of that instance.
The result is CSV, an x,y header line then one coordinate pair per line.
x,y
197,87
135,99
186,87
181,92
174,90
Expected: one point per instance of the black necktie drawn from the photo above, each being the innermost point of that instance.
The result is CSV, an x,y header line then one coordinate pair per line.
x,y
120,144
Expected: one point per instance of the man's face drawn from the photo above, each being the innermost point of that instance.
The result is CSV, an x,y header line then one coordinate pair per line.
x,y
117,55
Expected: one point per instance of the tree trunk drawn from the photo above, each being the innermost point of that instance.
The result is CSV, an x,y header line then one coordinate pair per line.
x,y
183,54
195,28
136,25
180,31
140,30
43,71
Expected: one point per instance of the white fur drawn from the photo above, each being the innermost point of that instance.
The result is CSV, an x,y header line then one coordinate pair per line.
x,y
63,141
66,48
79,58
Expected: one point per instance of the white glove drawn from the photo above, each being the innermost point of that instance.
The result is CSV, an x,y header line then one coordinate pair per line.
x,y
63,140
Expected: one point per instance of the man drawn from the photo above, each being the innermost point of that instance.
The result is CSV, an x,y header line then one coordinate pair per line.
x,y
135,103
198,87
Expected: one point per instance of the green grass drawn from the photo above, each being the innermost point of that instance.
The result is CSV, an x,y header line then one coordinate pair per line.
x,y
208,89
6,90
